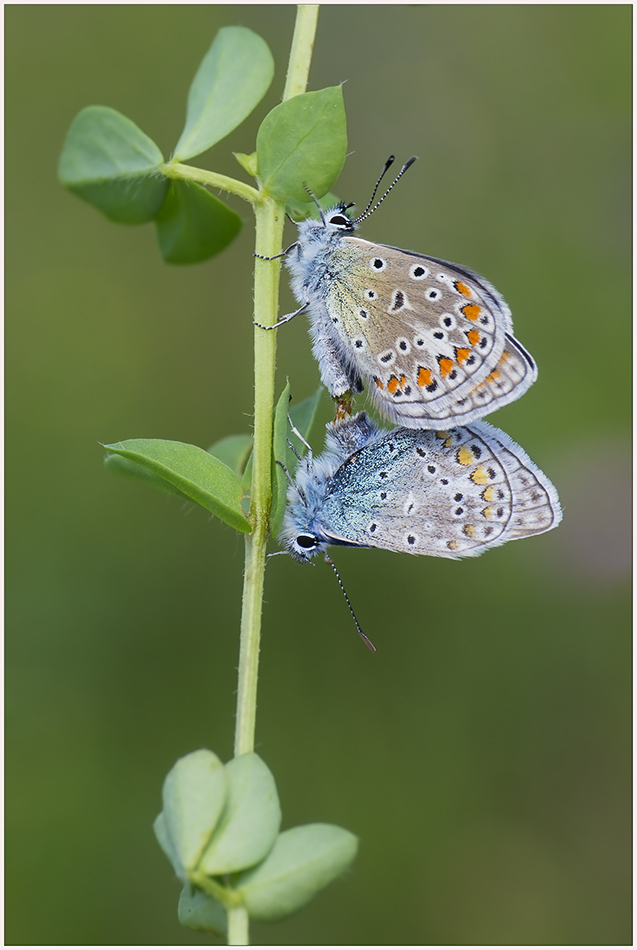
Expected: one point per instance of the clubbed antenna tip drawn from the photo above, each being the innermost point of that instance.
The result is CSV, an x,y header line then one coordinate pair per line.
x,y
351,609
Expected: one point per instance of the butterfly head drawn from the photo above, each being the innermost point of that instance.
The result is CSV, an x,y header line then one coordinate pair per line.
x,y
337,219
304,546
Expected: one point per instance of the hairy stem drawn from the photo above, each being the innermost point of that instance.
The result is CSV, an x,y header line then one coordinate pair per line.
x,y
270,218
211,179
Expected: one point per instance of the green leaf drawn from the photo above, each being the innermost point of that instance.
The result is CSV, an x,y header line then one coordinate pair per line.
x,y
198,475
280,454
303,861
233,451
194,795
250,821
247,162
300,210
233,77
303,141
201,912
165,843
109,162
121,466
193,225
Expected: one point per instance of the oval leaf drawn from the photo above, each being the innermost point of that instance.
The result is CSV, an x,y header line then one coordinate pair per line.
x,y
161,833
233,451
194,795
233,77
303,861
193,225
303,141
109,162
122,466
198,475
201,912
250,821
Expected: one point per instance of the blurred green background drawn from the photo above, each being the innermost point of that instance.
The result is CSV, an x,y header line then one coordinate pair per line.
x,y
483,754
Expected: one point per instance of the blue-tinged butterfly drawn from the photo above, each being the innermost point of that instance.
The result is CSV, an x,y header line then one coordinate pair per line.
x,y
447,493
432,341
451,493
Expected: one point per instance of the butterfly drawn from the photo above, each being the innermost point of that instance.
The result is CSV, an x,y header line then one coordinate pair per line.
x,y
432,341
446,493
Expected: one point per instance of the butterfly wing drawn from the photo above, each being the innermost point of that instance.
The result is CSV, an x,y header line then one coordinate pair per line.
x,y
432,340
447,494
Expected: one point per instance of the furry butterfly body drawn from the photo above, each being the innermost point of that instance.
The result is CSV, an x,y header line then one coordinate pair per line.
x,y
431,340
452,493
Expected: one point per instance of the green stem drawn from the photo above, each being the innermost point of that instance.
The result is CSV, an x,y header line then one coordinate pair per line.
x,y
301,52
269,232
270,219
212,179
237,927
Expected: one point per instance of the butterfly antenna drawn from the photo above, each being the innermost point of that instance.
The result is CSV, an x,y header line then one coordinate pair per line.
x,y
316,202
369,210
388,164
351,609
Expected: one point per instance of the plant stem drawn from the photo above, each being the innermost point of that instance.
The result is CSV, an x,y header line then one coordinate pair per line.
x,y
269,231
301,52
237,927
212,179
270,219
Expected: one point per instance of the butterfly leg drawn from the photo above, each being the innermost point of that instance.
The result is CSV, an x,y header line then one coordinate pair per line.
x,y
300,437
285,319
275,257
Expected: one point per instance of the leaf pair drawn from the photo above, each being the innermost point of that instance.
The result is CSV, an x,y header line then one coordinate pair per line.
x,y
109,162
220,830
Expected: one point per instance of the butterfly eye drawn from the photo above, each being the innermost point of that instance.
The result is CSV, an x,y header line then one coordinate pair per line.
x,y
340,221
306,541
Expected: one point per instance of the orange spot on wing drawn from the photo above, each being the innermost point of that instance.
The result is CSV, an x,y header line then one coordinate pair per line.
x,y
378,382
488,511
424,376
462,355
489,493
465,456
480,476
446,366
462,288
403,382
392,385
471,311
491,378
473,337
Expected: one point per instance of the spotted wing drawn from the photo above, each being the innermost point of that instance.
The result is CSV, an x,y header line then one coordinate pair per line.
x,y
432,340
447,494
